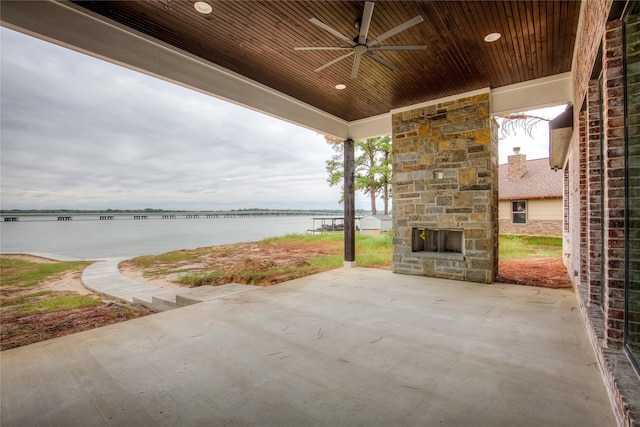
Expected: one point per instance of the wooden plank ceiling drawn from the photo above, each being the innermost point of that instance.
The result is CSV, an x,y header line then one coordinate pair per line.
x,y
257,39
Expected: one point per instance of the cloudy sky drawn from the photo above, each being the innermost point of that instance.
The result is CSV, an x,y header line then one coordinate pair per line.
x,y
81,133
534,146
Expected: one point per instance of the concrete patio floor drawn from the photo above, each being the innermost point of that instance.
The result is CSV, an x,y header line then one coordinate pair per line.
x,y
341,348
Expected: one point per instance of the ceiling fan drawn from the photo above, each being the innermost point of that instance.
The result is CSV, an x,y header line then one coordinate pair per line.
x,y
361,45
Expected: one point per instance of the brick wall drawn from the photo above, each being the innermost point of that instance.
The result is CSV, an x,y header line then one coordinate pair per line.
x,y
445,164
532,228
632,35
605,202
517,166
565,200
572,238
582,153
614,160
594,191
593,18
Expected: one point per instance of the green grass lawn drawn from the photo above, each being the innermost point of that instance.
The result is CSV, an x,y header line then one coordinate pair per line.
x,y
15,273
371,251
377,250
518,247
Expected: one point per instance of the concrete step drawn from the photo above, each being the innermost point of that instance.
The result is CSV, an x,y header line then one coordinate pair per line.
x,y
104,277
167,299
156,299
164,302
188,296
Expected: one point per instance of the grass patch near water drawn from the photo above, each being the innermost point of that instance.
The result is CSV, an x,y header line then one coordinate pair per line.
x,y
25,274
46,301
16,273
268,261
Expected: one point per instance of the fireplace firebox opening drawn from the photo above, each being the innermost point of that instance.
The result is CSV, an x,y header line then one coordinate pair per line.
x,y
437,240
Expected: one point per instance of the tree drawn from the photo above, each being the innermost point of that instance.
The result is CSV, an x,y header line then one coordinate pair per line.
x,y
372,168
385,170
335,165
514,121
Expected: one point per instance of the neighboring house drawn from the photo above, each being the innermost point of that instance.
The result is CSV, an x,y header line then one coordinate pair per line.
x,y
530,195
375,224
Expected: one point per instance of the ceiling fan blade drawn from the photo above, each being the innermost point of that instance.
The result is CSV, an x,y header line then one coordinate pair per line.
x,y
416,47
323,48
392,32
332,31
381,60
334,61
356,65
365,22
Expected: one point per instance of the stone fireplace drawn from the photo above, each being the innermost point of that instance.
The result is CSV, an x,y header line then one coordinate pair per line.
x,y
445,190
437,241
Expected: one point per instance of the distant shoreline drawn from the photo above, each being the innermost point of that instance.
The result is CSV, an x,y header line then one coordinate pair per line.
x,y
177,211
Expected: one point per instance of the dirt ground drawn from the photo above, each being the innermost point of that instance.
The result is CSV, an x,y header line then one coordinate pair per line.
x,y
21,330
245,263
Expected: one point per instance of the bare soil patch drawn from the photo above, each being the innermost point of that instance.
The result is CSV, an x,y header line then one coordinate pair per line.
x,y
21,329
246,263
31,328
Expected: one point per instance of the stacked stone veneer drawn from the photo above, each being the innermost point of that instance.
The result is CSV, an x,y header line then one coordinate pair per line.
x,y
445,162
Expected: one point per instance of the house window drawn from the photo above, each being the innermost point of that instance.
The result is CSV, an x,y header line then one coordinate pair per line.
x,y
519,212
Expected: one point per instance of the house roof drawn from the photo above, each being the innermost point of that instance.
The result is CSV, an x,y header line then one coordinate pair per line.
x,y
539,182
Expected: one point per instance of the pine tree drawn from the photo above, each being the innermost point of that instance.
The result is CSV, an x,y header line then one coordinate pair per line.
x,y
372,168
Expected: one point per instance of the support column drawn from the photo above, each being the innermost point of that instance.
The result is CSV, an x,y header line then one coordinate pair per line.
x,y
349,205
445,190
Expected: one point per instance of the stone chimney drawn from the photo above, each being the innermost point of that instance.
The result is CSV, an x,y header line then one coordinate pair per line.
x,y
517,166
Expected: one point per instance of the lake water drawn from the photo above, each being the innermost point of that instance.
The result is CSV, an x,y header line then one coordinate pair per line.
x,y
89,238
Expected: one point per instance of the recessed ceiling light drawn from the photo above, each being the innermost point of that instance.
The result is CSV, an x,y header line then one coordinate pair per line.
x,y
203,7
341,86
492,37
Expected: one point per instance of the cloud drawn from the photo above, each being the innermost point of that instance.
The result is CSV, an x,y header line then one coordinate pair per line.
x,y
82,133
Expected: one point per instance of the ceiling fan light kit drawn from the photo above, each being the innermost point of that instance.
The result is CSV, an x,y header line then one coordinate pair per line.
x,y
361,45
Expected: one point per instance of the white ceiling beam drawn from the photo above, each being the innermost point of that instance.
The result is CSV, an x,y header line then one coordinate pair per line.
x,y
532,95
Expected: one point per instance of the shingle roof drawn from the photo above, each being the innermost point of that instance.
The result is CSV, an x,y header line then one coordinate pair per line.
x,y
539,182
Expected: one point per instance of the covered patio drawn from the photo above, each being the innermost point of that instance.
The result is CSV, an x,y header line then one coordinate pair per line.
x,y
345,347
356,346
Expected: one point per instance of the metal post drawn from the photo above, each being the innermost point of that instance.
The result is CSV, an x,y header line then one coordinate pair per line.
x,y
349,205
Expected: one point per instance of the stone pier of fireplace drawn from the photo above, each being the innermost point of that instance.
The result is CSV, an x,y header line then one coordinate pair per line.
x,y
445,187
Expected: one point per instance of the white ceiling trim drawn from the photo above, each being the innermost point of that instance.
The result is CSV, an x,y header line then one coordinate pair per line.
x,y
531,95
370,127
